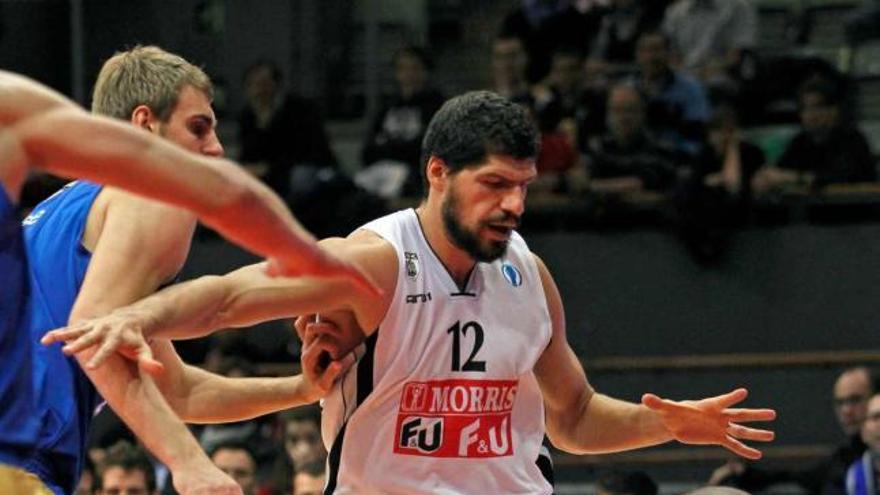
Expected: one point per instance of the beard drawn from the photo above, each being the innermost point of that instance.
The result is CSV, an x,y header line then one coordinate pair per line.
x,y
467,240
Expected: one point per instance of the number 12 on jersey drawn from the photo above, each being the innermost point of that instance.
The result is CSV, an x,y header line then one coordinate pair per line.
x,y
458,331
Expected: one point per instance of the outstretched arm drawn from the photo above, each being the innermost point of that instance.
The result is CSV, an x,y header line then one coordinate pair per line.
x,y
580,420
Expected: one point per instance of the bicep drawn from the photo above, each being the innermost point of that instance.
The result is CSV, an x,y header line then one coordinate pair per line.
x,y
141,245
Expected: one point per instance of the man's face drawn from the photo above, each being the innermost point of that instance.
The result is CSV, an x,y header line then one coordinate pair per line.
x,y
652,55
626,114
239,465
871,426
306,484
483,205
192,124
260,86
411,73
118,481
817,116
303,442
508,59
851,392
565,72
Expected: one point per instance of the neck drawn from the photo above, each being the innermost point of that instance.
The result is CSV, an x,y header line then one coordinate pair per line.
x,y
457,262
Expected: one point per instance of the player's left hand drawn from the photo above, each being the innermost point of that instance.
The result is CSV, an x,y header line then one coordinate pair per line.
x,y
321,366
712,421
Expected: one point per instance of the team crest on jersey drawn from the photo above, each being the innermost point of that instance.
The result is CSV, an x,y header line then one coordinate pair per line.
x,y
456,418
412,264
512,274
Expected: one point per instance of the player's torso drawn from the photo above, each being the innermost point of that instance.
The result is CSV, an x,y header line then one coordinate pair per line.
x,y
443,398
65,398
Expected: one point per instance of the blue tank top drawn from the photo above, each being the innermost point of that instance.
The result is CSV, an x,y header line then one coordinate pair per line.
x,y
19,425
65,398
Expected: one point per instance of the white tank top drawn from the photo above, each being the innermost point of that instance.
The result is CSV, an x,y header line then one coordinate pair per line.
x,y
443,399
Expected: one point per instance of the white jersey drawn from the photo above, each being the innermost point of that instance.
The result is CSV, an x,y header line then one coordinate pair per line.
x,y
443,399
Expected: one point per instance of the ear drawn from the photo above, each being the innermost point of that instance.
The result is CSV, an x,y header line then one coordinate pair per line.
x,y
143,117
436,171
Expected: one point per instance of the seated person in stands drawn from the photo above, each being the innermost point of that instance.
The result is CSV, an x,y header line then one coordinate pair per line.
x,y
851,391
627,158
396,133
127,469
308,479
863,474
621,26
826,151
508,66
729,162
279,133
677,105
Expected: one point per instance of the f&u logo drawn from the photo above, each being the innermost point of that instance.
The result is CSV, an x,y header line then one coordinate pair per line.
x,y
422,434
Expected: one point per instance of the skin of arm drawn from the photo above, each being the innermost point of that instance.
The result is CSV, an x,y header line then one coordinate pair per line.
x,y
580,420
144,243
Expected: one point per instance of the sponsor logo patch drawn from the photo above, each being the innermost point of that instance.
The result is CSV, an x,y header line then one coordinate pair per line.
x,y
456,418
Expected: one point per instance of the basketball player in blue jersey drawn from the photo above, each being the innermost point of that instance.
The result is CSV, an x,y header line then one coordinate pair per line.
x,y
464,365
47,402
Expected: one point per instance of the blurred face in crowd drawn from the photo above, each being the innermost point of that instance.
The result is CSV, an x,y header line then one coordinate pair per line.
x,y
565,72
306,484
626,112
871,426
118,481
303,442
192,123
483,205
851,392
410,73
508,61
817,115
86,483
260,86
239,465
652,55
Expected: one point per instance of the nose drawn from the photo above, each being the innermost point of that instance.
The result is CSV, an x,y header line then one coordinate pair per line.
x,y
212,146
514,201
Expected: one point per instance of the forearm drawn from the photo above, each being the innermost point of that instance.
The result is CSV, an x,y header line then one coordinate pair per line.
x,y
137,401
604,424
211,398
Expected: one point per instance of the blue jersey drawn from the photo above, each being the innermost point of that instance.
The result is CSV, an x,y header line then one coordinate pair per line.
x,y
19,425
65,398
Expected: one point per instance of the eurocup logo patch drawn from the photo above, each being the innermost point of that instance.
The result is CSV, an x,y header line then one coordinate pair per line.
x,y
412,264
512,275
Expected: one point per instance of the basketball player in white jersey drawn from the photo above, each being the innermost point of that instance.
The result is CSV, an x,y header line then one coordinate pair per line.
x,y
464,365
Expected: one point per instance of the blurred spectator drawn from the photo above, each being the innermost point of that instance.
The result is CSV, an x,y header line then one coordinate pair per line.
x,y
863,475
126,471
396,133
678,107
717,490
826,150
545,25
850,397
711,36
238,461
302,435
86,484
626,483
621,27
509,62
282,136
309,479
717,196
864,23
627,158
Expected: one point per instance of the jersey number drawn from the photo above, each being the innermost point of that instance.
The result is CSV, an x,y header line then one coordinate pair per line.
x,y
457,331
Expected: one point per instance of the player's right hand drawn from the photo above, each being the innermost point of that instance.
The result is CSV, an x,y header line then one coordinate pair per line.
x,y
204,479
120,331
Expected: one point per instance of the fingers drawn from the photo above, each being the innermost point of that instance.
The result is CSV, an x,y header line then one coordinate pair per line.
x,y
726,400
273,268
83,342
62,335
741,449
746,433
747,415
147,363
300,325
110,345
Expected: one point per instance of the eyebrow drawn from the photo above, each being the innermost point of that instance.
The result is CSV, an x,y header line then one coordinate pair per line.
x,y
204,118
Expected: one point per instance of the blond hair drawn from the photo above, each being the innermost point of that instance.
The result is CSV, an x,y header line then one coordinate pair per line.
x,y
145,75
